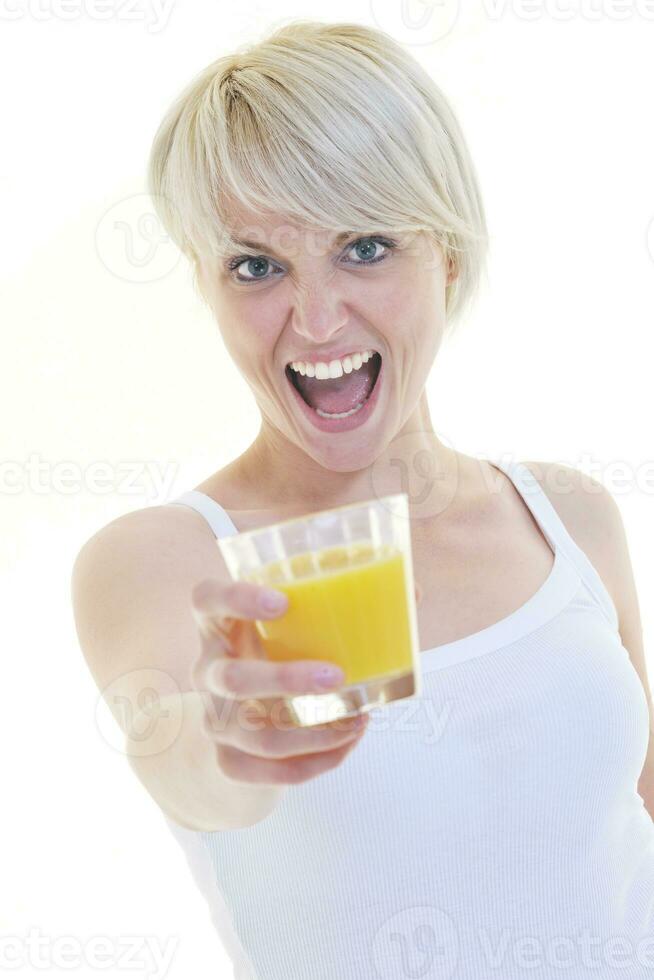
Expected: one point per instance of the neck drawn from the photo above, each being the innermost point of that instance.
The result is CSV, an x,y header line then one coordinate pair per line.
x,y
279,474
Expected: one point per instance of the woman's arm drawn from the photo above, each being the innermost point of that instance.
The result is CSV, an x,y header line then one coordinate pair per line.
x,y
131,589
619,574
593,518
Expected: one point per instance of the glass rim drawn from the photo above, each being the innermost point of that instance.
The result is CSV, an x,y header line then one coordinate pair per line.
x,y
242,535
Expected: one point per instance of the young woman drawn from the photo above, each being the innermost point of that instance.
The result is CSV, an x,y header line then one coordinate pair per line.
x,y
496,825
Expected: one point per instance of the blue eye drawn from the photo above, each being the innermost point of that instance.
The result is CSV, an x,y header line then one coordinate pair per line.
x,y
252,263
255,263
367,243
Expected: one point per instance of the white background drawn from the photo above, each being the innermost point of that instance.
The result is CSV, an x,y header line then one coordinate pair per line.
x,y
109,357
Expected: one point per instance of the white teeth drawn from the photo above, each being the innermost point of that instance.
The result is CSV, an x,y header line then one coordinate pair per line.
x,y
335,368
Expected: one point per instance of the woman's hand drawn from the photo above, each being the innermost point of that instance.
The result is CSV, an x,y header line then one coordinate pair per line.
x,y
253,742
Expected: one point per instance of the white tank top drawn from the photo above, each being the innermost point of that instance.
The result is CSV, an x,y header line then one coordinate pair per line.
x,y
489,828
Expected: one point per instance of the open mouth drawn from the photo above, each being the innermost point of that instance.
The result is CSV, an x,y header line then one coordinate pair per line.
x,y
338,397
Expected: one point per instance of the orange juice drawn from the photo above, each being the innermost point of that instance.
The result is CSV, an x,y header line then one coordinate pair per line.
x,y
347,605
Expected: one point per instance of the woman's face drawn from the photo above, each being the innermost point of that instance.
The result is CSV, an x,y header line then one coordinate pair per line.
x,y
309,297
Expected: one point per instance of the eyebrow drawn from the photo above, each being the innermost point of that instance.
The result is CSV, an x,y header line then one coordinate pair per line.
x,y
259,246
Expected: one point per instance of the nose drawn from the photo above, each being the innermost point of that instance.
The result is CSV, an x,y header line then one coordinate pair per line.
x,y
319,313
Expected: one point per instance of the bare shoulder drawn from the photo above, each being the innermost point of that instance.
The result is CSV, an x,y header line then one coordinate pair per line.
x,y
131,590
142,557
586,507
151,538
593,518
131,586
158,544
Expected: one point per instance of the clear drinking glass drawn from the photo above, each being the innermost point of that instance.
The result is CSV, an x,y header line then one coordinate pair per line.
x,y
348,575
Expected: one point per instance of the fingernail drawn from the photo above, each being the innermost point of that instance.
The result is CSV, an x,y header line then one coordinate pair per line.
x,y
272,601
328,676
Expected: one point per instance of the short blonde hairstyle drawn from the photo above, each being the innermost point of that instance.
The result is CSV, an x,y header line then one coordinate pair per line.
x,y
331,125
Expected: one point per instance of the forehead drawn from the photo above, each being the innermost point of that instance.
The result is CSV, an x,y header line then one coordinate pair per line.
x,y
279,231
248,228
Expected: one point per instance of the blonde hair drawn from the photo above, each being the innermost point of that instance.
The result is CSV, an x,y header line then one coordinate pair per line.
x,y
331,125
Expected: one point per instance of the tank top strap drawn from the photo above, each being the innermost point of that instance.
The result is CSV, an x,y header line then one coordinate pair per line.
x,y
557,534
210,509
